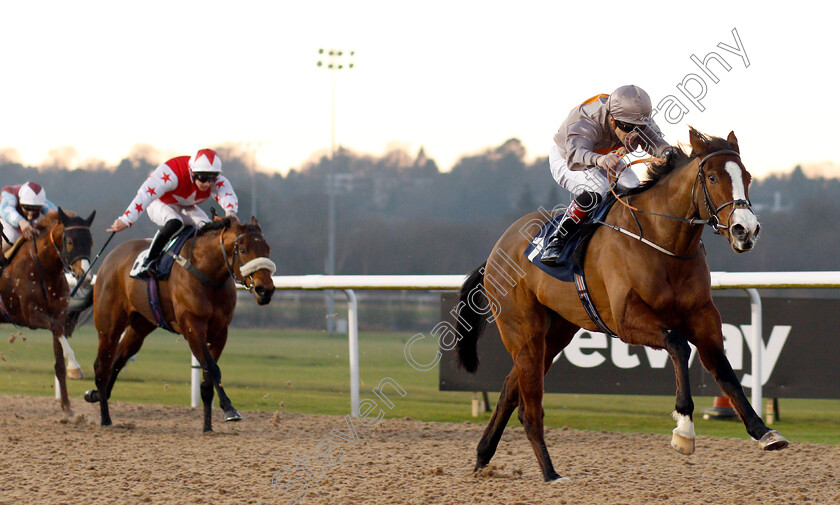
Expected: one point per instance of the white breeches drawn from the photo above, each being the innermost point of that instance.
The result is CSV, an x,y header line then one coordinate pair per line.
x,y
578,181
160,213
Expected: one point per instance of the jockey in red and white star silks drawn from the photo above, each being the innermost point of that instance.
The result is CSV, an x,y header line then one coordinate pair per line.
x,y
172,193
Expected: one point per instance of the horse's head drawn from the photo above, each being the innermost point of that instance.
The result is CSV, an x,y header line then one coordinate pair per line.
x,y
251,265
76,242
724,184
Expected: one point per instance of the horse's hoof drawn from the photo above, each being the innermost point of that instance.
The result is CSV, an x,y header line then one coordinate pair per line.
x,y
75,373
773,441
682,444
232,415
560,480
92,396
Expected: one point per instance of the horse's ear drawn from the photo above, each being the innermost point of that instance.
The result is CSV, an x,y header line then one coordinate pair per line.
x,y
62,216
89,220
732,139
254,222
699,142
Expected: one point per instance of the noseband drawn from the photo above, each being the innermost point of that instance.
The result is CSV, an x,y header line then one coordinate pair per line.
x,y
714,220
246,270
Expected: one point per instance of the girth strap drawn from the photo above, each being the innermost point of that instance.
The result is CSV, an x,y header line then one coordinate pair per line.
x,y
589,306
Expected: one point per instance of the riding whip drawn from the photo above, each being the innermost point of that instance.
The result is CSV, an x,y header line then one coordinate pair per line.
x,y
82,279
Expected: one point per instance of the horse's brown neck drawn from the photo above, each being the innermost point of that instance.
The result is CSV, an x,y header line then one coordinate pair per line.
x,y
208,257
673,196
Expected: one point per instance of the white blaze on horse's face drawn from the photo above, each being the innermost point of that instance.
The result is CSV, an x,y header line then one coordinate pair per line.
x,y
743,225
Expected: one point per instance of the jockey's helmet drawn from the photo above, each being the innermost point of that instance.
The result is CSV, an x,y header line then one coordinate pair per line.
x,y
205,161
32,195
630,104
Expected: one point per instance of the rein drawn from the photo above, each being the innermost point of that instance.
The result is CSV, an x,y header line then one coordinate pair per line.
x,y
246,270
713,221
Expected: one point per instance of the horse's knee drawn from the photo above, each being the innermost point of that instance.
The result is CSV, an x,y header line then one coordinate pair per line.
x,y
678,346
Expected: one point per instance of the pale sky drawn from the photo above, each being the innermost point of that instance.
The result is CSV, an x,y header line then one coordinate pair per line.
x,y
453,76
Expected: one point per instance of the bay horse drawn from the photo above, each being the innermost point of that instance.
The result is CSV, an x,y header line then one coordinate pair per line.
x,y
34,291
197,301
658,298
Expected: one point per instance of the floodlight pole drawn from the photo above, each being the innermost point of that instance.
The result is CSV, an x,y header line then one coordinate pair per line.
x,y
335,59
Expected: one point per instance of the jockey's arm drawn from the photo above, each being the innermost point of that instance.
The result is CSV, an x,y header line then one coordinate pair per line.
x,y
580,144
8,209
225,196
651,140
161,181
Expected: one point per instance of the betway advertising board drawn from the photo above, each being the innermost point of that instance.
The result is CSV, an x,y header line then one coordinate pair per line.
x,y
801,350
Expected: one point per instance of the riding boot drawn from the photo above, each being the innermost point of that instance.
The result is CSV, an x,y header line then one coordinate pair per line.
x,y
162,237
576,214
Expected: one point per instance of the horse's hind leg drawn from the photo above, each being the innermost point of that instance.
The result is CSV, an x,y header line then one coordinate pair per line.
x,y
708,337
559,335
508,401
129,345
530,365
110,327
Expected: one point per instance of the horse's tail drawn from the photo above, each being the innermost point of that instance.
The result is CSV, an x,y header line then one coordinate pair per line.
x,y
470,322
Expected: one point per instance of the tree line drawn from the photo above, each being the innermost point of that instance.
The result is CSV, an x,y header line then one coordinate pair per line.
x,y
399,214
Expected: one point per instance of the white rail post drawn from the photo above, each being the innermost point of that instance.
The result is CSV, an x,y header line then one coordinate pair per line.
x,y
758,344
195,393
353,342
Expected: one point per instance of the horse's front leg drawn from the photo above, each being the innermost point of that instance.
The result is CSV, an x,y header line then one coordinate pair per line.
x,y
639,324
74,370
706,329
61,372
683,438
195,331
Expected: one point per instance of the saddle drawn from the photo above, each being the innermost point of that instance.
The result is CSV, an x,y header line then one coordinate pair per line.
x,y
569,267
573,254
10,253
163,265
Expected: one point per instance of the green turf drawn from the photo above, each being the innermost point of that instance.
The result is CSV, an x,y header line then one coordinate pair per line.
x,y
308,372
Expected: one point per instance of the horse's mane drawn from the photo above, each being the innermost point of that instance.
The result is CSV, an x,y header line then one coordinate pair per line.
x,y
657,171
48,220
219,225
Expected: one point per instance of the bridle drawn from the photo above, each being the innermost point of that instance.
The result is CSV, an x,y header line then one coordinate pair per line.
x,y
713,210
66,262
714,220
248,269
62,254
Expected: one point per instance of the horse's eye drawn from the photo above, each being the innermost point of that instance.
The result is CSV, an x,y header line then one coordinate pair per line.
x,y
713,178
241,250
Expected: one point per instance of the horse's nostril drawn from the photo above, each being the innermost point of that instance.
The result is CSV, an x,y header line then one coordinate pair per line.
x,y
260,290
757,229
739,231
